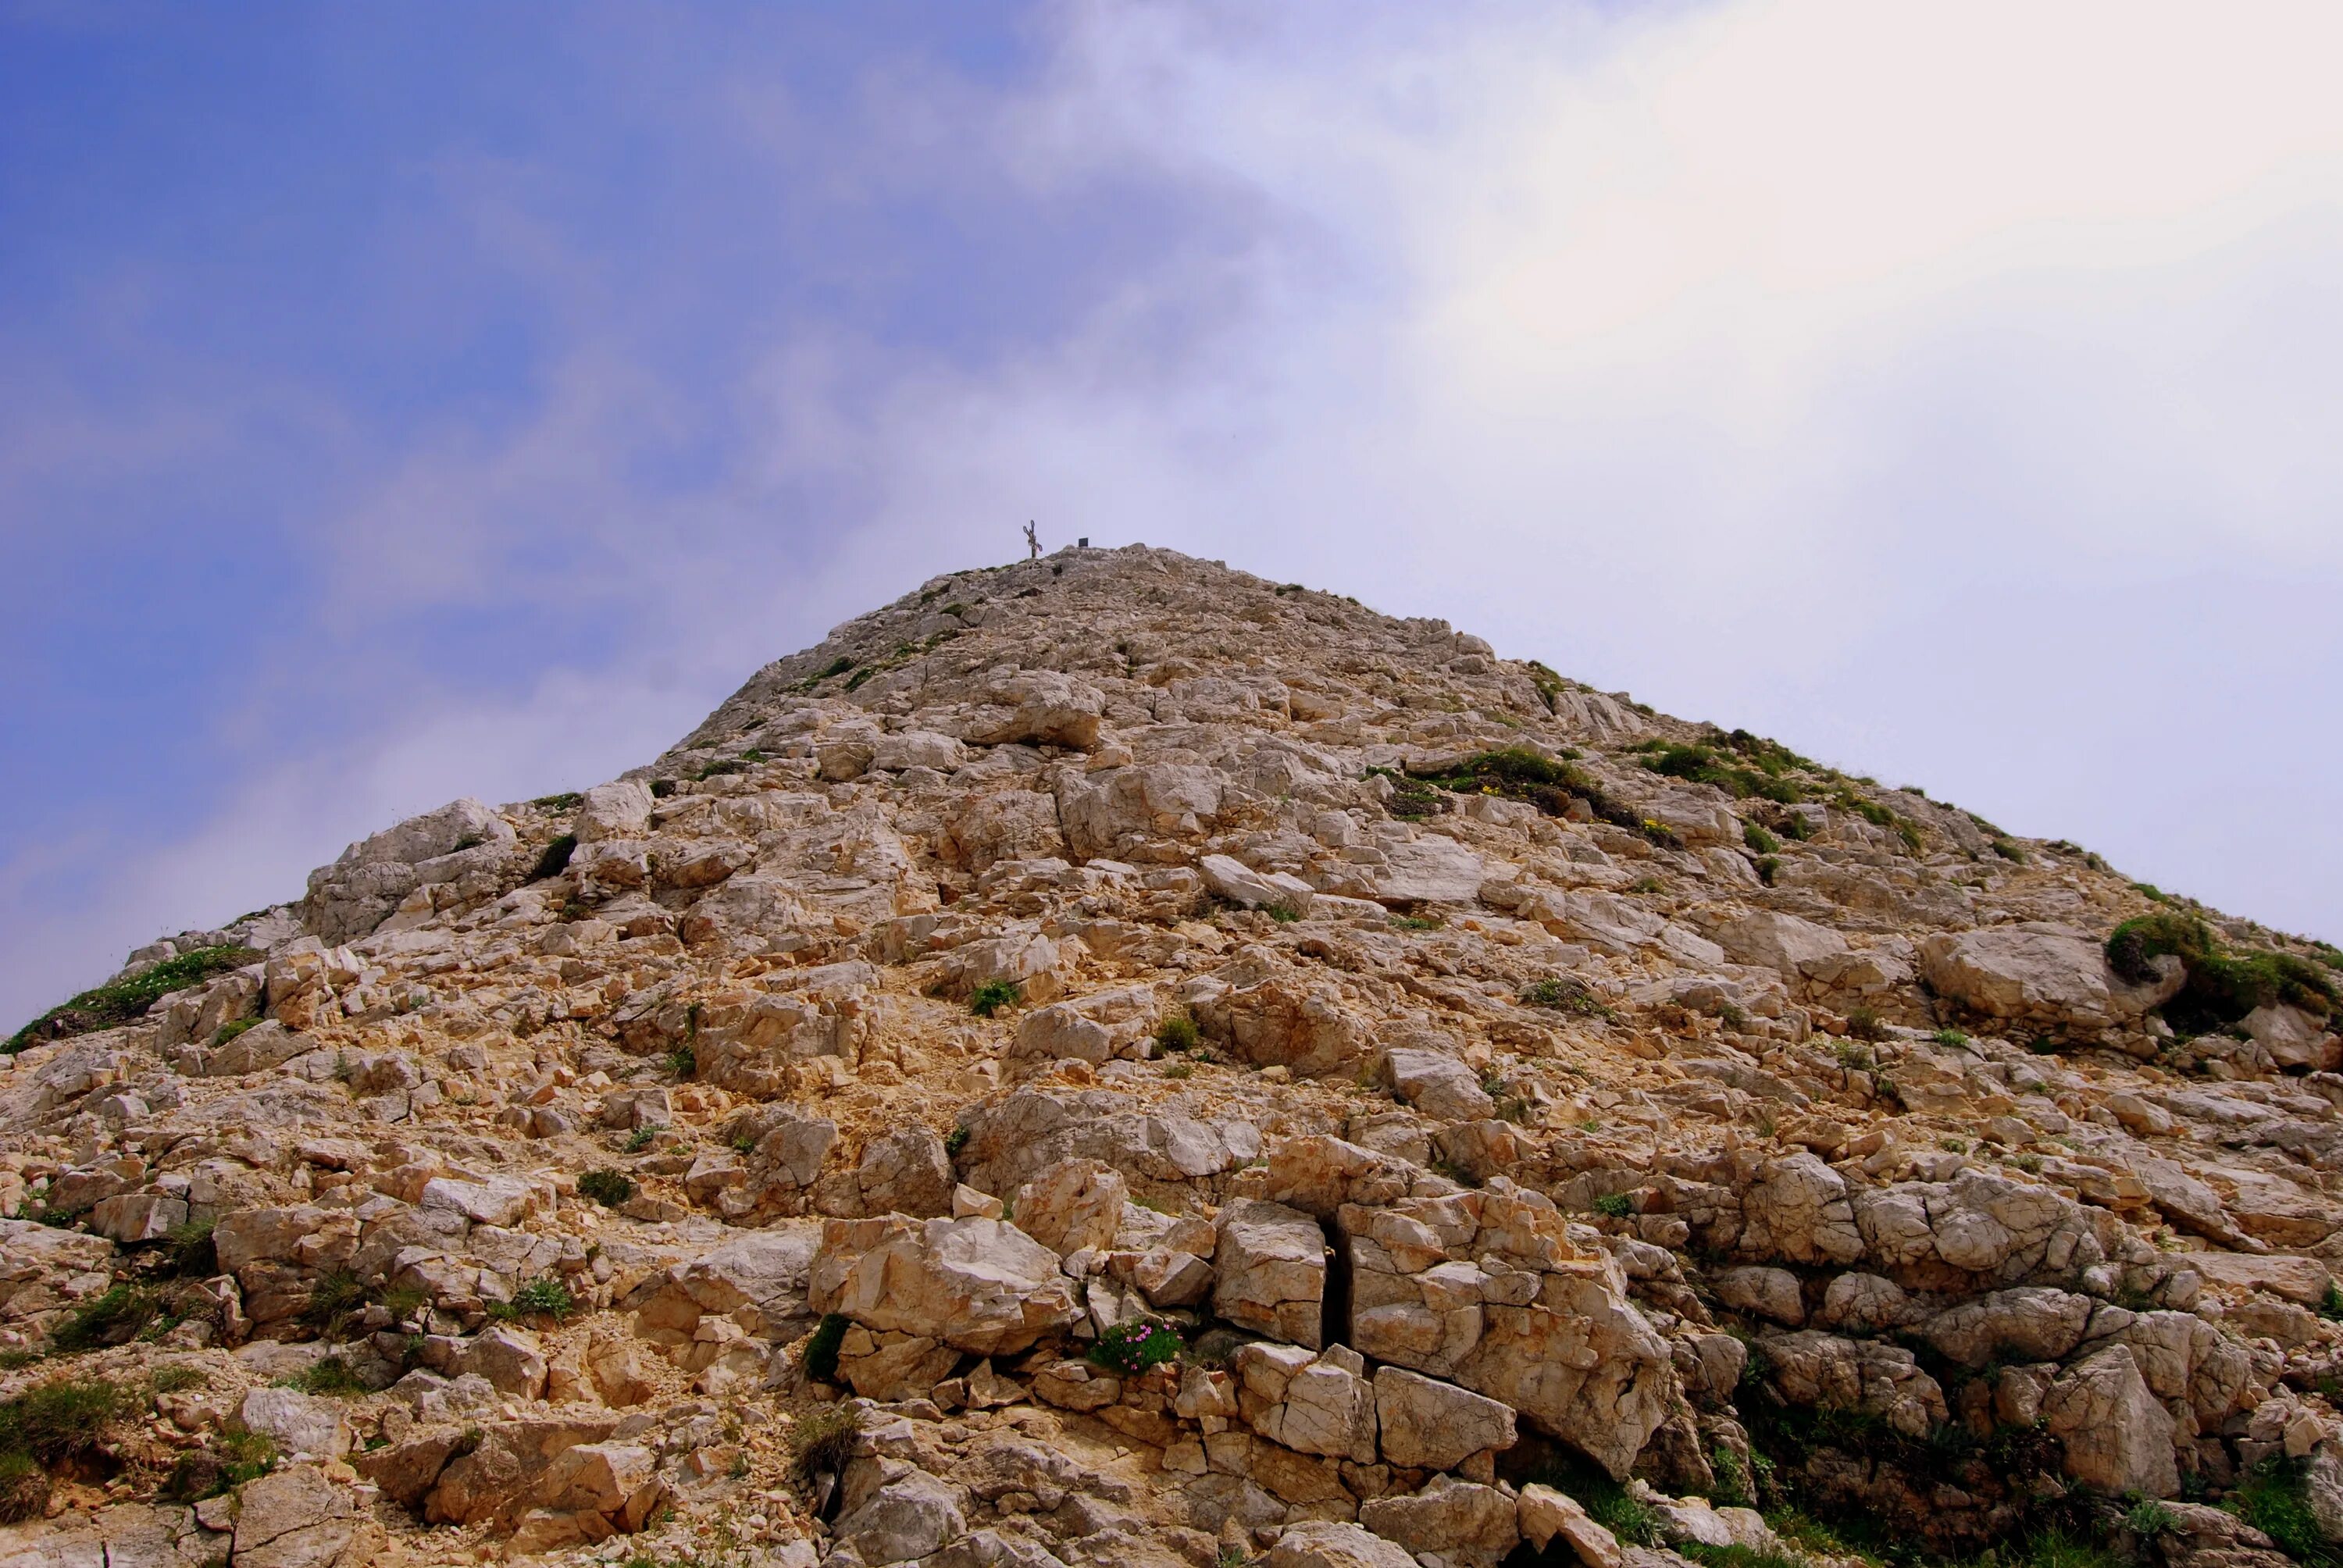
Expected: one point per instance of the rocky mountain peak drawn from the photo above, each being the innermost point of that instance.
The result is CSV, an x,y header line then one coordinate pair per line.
x,y
1111,1060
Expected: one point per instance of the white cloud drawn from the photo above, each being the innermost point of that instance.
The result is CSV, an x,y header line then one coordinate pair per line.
x,y
1823,366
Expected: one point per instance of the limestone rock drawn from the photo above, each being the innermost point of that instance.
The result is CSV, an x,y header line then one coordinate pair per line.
x,y
1320,1403
982,1286
1464,1521
2116,1437
1427,1425
2042,973
1316,1543
296,1518
1074,1204
1269,1265
1542,1513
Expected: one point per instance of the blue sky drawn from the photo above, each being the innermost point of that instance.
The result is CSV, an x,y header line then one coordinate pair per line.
x,y
397,404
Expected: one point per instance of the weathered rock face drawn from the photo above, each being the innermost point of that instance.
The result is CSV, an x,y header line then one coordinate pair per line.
x,y
1268,1263
2043,974
1487,1289
1114,957
982,1286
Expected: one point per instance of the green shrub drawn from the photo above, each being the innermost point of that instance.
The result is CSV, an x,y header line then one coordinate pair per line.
x,y
568,800
640,1139
2147,1518
1950,1037
53,1421
113,1317
227,1462
333,1298
954,1141
1700,765
609,1188
543,1297
187,1252
1129,1349
683,1061
1176,1033
822,1440
821,1349
2008,850
2224,984
1606,1502
2272,1500
228,1032
120,1001
992,996
1615,1205
555,858
1768,867
1865,1023
331,1376
1758,838
1567,995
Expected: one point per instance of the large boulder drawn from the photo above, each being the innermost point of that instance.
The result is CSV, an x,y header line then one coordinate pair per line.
x,y
296,1518
1040,706
1816,1370
2118,1438
1320,1403
1074,1204
1270,1268
1438,1085
371,877
616,810
1487,1289
1142,813
1328,1544
2048,976
1427,1425
1469,1524
982,1286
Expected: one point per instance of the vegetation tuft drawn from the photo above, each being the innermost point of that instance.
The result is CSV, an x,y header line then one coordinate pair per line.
x,y
607,1187
555,858
1129,1349
2224,984
992,996
1565,994
120,1001
821,1349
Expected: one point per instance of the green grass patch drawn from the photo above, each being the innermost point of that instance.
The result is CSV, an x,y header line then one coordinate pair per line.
x,y
331,1376
229,1461
2272,1500
1176,1033
120,1001
543,1297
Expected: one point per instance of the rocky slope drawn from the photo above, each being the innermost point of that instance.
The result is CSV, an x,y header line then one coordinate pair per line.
x,y
1110,1061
